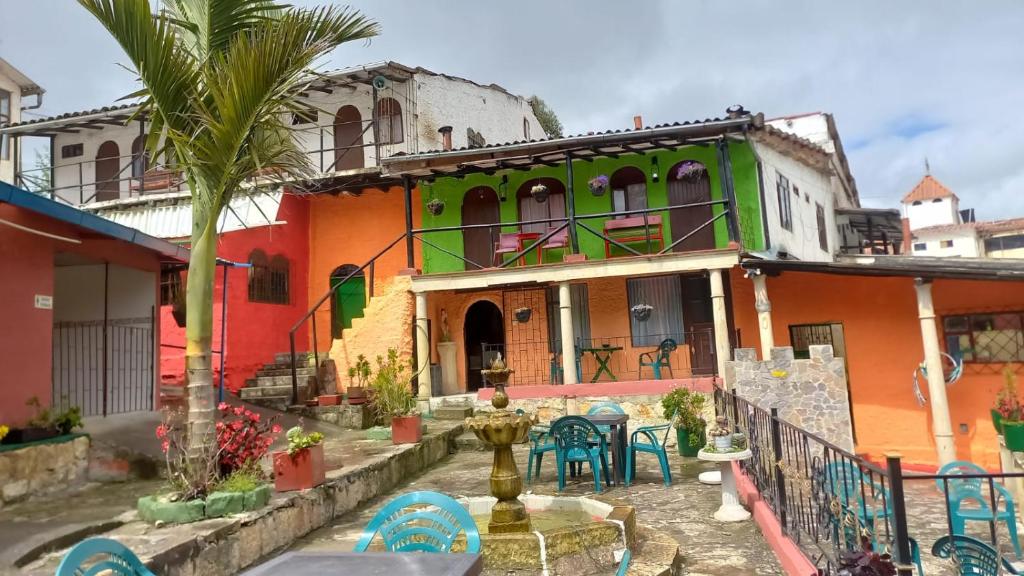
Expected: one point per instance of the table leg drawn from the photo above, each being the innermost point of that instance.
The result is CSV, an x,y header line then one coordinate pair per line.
x,y
617,456
731,510
623,447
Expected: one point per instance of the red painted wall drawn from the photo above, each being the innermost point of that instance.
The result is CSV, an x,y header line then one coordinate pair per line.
x,y
26,332
256,331
884,347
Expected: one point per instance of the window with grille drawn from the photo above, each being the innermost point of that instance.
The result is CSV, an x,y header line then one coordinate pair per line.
x,y
984,338
305,116
946,243
170,287
822,230
785,206
72,150
920,246
389,121
268,278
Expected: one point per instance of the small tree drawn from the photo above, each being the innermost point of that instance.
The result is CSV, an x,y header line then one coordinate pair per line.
x,y
546,116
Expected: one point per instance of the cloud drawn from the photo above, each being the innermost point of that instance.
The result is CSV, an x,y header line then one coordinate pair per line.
x,y
905,81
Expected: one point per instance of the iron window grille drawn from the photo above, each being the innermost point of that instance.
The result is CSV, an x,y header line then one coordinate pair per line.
x,y
985,338
170,287
785,206
268,278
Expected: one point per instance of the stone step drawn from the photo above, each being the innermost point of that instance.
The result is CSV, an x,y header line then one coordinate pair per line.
x,y
286,357
279,403
452,412
264,381
265,391
287,371
468,441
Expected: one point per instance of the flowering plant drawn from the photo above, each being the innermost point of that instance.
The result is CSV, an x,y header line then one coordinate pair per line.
x,y
192,471
689,169
3,431
598,184
1008,402
242,437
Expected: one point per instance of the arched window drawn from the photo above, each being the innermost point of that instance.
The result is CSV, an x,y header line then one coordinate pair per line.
x,y
268,278
629,190
108,168
526,128
348,139
140,156
530,209
916,203
389,121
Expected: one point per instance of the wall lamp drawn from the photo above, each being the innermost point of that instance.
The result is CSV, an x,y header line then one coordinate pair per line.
x,y
654,168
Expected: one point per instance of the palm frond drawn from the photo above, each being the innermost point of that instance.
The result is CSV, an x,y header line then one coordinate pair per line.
x,y
208,27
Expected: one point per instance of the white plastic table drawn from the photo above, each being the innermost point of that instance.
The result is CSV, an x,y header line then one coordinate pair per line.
x,y
731,510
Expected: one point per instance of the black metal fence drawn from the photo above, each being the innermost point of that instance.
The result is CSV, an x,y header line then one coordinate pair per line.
x,y
103,368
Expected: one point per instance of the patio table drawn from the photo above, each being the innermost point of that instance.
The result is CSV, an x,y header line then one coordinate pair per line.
x,y
370,564
603,355
620,441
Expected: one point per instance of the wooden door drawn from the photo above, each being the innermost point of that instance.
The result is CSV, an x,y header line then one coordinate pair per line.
x,y
348,139
108,166
690,190
702,348
480,206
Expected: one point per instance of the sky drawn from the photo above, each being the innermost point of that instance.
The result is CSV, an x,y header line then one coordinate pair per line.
x,y
905,80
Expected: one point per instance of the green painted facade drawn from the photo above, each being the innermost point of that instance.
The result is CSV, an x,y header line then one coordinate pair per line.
x,y
452,190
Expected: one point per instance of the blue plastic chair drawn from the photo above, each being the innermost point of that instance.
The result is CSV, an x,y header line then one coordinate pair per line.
x,y
624,564
421,522
651,445
971,556
659,358
577,440
974,492
110,556
558,374
541,442
605,408
855,490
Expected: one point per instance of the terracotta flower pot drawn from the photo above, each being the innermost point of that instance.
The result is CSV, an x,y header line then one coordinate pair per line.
x,y
356,395
406,429
330,399
299,472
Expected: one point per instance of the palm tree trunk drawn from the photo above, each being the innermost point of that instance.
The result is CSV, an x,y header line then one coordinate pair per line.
x,y
199,339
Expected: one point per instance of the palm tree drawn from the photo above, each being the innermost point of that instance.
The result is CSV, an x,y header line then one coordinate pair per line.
x,y
218,80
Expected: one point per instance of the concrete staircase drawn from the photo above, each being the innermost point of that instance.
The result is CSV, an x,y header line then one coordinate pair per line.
x,y
272,386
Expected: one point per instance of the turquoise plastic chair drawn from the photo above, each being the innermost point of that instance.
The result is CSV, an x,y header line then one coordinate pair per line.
x,y
108,555
857,491
651,445
971,556
659,358
624,565
605,408
558,374
421,522
541,443
577,440
974,492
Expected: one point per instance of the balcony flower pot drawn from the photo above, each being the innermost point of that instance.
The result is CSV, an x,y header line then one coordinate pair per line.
x,y
523,315
29,434
301,471
683,444
598,185
1013,434
435,206
642,312
540,193
406,429
356,395
330,399
997,421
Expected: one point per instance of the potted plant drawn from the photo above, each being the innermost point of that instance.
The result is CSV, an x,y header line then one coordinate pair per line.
x,y
523,315
598,185
866,562
358,376
1011,414
393,400
642,312
689,424
302,465
435,206
540,193
721,435
690,169
329,399
68,420
39,427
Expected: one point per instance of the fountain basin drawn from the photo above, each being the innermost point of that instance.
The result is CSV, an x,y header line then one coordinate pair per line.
x,y
570,536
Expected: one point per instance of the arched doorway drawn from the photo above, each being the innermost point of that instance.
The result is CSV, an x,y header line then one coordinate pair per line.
x,y
348,139
480,206
140,157
484,332
530,209
688,183
629,189
348,299
108,165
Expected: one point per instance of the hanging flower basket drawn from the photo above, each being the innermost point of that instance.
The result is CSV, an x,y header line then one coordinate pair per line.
x,y
642,312
690,169
523,315
435,206
598,185
539,193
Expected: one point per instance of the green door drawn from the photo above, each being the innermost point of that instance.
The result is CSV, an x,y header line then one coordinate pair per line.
x,y
349,301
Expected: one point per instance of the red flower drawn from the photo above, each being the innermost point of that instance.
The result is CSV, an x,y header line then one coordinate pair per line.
x,y
275,429
238,410
165,446
223,406
254,416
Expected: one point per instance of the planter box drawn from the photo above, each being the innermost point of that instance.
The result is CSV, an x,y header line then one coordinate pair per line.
x,y
406,429
300,472
1013,433
33,434
997,421
154,509
330,399
356,395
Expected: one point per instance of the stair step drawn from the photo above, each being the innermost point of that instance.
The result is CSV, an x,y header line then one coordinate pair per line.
x,y
280,403
468,441
266,391
285,358
452,412
273,372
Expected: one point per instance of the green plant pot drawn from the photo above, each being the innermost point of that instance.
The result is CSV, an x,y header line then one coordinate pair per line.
x,y
683,442
1013,433
997,420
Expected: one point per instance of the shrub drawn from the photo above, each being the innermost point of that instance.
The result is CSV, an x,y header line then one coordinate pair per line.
x,y
242,437
245,479
689,417
392,388
299,440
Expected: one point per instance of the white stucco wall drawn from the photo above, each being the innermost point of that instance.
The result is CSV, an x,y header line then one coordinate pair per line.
x,y
936,212
815,188
7,165
965,243
813,127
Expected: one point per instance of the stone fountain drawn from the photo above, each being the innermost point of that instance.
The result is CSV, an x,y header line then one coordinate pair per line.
x,y
501,429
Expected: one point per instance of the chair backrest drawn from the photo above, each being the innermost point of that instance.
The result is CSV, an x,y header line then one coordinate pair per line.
x,y
509,241
575,432
421,522
665,349
957,468
605,408
559,238
845,481
971,555
671,425
101,555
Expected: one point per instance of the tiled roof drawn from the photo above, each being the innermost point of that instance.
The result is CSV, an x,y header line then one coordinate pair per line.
x,y
946,228
928,189
996,226
68,115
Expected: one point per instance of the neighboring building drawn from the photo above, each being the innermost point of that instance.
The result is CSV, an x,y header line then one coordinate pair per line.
x,y
78,318
941,228
15,87
820,129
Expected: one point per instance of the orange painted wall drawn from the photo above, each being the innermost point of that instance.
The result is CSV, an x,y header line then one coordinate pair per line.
x,y
351,230
884,347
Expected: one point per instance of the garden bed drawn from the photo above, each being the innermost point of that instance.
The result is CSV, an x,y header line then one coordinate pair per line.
x,y
155,509
42,466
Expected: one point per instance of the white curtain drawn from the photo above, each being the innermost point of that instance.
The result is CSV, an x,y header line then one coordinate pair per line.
x,y
530,209
665,294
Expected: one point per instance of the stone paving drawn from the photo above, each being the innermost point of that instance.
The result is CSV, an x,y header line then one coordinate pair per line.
x,y
710,548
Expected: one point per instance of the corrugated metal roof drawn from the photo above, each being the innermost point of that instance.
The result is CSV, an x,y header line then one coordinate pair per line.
x,y
174,219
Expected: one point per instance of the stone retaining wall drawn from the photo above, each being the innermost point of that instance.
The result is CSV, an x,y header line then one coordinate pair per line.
x,y
43,467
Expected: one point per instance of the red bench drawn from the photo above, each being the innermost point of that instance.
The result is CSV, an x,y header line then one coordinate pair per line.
x,y
632,229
